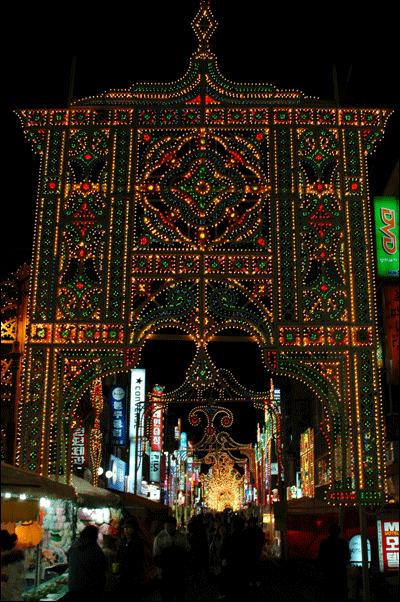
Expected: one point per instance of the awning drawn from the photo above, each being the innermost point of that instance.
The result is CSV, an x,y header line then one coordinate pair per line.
x,y
14,510
18,481
130,500
94,497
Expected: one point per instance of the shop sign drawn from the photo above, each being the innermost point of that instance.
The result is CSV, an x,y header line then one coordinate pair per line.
x,y
138,392
178,430
118,470
388,545
79,447
280,515
387,236
183,446
307,462
274,468
156,428
155,462
391,305
118,415
356,551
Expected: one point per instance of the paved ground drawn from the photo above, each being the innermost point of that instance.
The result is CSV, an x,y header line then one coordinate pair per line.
x,y
290,581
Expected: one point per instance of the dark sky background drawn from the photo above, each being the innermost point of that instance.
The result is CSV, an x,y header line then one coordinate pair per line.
x,y
290,46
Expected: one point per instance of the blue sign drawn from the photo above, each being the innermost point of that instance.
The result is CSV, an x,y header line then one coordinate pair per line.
x,y
117,415
118,470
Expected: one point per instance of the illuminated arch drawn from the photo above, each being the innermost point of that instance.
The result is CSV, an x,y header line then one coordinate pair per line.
x,y
249,203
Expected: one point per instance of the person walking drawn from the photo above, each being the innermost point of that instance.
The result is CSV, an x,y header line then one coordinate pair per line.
x,y
87,567
217,565
170,554
130,557
334,556
198,561
254,541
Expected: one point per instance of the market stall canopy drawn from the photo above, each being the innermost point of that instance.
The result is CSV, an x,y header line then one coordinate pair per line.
x,y
14,510
17,481
133,501
94,497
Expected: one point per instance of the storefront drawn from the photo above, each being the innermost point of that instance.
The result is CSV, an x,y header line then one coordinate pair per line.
x,y
41,512
96,506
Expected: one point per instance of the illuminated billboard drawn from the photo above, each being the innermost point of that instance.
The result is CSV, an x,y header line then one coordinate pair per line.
x,y
387,236
391,304
138,391
388,544
117,415
307,462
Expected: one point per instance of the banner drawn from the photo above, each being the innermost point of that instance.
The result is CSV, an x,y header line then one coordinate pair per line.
x,y
117,415
156,420
79,447
387,236
137,399
138,395
156,428
391,305
307,462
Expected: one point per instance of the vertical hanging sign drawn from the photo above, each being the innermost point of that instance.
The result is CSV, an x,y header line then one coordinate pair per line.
x,y
391,305
79,447
388,544
137,398
155,465
387,236
157,419
138,391
118,415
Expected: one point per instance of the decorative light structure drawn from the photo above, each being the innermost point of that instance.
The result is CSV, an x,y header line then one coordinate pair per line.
x,y
205,205
223,485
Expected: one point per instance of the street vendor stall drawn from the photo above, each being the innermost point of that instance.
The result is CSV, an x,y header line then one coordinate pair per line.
x,y
96,506
40,511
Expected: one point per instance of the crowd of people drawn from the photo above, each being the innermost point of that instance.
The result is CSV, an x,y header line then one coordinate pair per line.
x,y
220,552
217,551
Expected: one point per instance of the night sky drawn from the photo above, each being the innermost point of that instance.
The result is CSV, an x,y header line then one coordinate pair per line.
x,y
291,48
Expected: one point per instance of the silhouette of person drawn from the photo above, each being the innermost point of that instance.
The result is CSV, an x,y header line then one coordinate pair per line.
x,y
254,544
170,553
87,566
334,556
130,558
232,557
12,568
216,561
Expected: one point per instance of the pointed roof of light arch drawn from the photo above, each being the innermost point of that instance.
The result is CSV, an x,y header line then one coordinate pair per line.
x,y
204,25
202,84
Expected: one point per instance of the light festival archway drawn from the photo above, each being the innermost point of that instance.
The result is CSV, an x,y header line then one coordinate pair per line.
x,y
205,205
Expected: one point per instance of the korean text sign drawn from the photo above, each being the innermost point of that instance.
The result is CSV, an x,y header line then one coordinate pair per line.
x,y
388,543
118,415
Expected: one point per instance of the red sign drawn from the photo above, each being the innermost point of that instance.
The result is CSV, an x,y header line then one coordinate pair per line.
x,y
391,301
156,428
388,540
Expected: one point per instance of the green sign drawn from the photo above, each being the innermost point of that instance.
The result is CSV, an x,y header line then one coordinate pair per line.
x,y
387,236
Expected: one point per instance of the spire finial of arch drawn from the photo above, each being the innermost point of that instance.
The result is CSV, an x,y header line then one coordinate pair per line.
x,y
204,25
